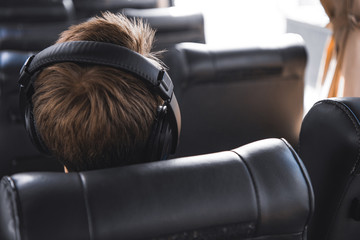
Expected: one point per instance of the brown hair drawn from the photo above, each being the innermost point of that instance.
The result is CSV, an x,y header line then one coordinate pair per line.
x,y
94,117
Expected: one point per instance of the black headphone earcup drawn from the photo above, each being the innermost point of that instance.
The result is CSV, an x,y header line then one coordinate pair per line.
x,y
30,126
165,140
160,141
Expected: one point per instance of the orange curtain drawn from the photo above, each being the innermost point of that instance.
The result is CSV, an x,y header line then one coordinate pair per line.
x,y
344,47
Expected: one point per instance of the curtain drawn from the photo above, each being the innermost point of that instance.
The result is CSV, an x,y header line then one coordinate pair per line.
x,y
341,69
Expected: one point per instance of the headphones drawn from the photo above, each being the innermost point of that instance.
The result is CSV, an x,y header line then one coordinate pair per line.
x,y
165,133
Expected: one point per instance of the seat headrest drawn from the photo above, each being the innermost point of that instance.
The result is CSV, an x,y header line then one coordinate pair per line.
x,y
261,189
173,25
86,8
169,19
196,63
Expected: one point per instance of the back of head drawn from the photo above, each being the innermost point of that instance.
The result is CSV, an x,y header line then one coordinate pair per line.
x,y
92,116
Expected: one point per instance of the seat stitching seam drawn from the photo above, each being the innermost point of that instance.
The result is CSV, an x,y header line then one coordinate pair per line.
x,y
88,212
255,189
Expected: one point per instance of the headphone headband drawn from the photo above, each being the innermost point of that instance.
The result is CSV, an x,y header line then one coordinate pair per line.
x,y
166,129
99,53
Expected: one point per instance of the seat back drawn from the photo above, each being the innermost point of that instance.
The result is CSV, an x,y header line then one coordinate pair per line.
x,y
330,148
233,96
258,191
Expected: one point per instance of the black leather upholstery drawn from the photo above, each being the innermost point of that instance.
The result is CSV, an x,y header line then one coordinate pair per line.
x,y
33,25
17,152
89,8
30,37
173,25
233,96
260,191
330,148
35,11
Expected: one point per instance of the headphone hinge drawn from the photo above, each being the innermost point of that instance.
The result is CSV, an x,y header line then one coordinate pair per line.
x,y
165,86
25,76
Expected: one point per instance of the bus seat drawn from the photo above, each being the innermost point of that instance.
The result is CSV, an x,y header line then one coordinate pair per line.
x,y
257,191
232,96
330,149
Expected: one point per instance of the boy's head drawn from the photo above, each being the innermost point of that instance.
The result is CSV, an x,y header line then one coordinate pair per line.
x,y
93,116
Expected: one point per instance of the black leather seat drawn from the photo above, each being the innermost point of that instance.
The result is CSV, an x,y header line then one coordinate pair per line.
x,y
232,96
173,25
258,191
17,152
330,148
